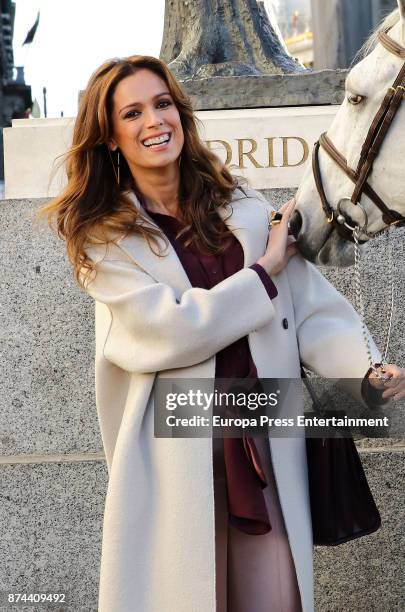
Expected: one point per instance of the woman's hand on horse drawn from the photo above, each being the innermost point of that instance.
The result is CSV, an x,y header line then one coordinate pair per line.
x,y
394,387
280,246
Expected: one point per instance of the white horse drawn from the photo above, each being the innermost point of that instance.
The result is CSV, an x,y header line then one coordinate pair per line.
x,y
366,86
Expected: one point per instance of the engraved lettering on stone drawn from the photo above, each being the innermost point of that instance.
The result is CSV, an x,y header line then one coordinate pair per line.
x,y
305,151
278,148
226,146
270,150
248,154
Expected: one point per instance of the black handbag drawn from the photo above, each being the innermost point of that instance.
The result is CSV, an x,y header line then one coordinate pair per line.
x,y
342,506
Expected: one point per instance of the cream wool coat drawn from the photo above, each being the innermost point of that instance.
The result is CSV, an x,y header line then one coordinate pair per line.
x,y
158,551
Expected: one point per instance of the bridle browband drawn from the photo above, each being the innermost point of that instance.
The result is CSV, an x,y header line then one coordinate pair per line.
x,y
344,225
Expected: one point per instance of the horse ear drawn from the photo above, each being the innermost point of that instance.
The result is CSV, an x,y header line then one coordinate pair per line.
x,y
401,6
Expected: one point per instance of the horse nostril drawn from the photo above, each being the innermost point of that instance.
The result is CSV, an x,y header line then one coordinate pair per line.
x,y
295,223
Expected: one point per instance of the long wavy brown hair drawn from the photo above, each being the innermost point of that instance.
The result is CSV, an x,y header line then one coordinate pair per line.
x,y
93,208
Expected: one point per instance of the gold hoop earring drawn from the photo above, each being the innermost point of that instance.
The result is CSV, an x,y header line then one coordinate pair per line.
x,y
116,171
179,160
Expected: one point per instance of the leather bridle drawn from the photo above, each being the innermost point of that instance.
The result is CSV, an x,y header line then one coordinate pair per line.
x,y
384,117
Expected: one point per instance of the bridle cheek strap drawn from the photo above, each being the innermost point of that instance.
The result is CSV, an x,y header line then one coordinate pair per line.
x,y
377,132
389,215
342,230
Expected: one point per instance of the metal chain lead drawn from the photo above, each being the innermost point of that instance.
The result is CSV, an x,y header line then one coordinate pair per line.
x,y
359,296
360,302
391,310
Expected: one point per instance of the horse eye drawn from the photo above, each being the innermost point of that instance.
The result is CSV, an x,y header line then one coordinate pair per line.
x,y
355,98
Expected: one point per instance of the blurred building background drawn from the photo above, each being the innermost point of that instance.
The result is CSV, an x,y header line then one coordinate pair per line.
x,y
327,33
15,95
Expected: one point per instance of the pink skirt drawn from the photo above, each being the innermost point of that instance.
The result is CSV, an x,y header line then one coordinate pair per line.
x,y
254,573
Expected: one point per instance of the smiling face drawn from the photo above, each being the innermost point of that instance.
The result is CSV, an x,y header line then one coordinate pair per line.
x,y
146,123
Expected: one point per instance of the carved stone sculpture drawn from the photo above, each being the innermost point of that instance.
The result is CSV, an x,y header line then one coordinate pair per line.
x,y
207,38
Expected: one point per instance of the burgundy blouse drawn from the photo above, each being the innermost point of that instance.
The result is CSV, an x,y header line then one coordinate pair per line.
x,y
244,475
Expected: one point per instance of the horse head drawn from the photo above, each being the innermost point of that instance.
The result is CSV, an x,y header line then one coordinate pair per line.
x,y
367,85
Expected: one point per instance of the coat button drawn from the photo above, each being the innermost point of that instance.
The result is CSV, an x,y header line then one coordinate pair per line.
x,y
285,323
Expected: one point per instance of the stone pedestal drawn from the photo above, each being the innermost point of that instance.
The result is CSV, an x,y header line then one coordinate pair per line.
x,y
302,89
268,146
52,465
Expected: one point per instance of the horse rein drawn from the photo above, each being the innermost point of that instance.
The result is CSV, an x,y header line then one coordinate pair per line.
x,y
383,119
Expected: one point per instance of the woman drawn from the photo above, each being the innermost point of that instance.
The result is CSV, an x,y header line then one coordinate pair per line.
x,y
188,283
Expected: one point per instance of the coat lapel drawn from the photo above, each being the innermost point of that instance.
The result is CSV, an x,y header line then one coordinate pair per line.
x,y
247,222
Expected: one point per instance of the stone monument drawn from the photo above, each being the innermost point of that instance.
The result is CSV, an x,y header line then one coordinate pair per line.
x,y
227,54
204,39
